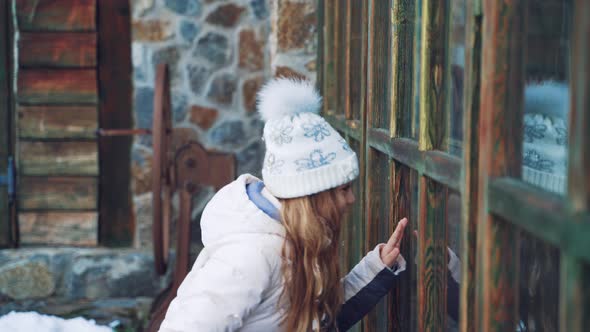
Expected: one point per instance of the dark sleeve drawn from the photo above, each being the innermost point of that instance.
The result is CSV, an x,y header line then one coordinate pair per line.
x,y
362,302
453,289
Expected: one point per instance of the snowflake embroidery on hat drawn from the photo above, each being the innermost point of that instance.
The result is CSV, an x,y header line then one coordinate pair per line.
x,y
560,136
281,135
318,130
315,160
533,129
533,159
272,165
345,145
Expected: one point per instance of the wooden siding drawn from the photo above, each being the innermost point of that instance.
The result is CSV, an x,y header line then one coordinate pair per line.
x,y
58,101
65,49
59,228
56,15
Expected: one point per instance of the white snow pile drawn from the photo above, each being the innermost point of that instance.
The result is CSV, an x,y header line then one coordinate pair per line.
x,y
32,321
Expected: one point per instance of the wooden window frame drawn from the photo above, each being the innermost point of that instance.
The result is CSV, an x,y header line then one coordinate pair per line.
x,y
492,194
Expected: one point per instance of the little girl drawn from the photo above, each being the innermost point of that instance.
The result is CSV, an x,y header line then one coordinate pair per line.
x,y
270,257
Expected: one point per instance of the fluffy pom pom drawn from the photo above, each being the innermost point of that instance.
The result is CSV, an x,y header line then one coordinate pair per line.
x,y
548,98
285,96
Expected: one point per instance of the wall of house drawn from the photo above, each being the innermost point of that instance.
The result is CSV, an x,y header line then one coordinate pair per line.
x,y
219,53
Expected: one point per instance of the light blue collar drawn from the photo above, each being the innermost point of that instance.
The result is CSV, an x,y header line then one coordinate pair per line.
x,y
254,191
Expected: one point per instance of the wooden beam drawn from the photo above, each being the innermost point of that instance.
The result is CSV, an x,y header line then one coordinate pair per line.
x,y
56,15
57,193
57,86
329,88
575,275
470,183
500,126
74,158
59,228
42,122
7,223
117,224
65,49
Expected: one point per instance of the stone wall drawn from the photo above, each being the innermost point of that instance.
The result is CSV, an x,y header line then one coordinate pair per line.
x,y
218,56
220,52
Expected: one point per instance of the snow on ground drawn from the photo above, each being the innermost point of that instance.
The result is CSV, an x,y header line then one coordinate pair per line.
x,y
32,321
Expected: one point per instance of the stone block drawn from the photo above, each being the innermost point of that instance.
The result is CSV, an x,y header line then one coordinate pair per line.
x,y
152,30
179,106
228,135
259,8
141,171
311,66
188,31
222,89
198,75
226,15
141,7
296,24
284,71
249,91
251,51
26,279
202,116
184,7
213,47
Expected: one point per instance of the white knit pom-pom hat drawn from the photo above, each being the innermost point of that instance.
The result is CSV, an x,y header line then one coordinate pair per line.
x,y
304,154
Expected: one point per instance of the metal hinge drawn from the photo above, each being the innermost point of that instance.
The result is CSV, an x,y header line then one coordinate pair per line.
x,y
8,179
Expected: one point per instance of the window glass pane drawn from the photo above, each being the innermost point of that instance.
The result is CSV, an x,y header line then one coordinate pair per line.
x,y
539,285
454,266
457,66
416,73
545,147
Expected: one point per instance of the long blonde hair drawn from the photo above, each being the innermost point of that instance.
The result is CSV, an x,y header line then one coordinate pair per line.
x,y
310,269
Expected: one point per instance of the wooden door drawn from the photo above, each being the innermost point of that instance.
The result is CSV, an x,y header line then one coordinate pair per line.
x,y
73,77
431,96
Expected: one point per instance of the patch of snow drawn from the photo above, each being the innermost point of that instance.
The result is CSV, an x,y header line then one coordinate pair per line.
x,y
33,321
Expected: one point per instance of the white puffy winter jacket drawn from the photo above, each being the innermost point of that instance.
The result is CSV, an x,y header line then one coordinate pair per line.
x,y
235,283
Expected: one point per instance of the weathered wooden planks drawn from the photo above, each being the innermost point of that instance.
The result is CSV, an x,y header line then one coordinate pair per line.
x,y
57,49
433,86
500,125
56,15
469,188
58,158
329,84
117,222
59,228
58,193
63,86
42,122
575,275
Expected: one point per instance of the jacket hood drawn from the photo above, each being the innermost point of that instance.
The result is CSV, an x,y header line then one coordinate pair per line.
x,y
230,213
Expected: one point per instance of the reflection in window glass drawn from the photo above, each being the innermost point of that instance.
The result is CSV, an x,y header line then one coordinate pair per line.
x,y
539,285
454,266
457,68
547,95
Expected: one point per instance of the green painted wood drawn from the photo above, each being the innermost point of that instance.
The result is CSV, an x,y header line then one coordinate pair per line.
x,y
6,219
470,183
500,125
355,55
432,256
402,64
117,224
319,81
328,59
433,85
575,274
